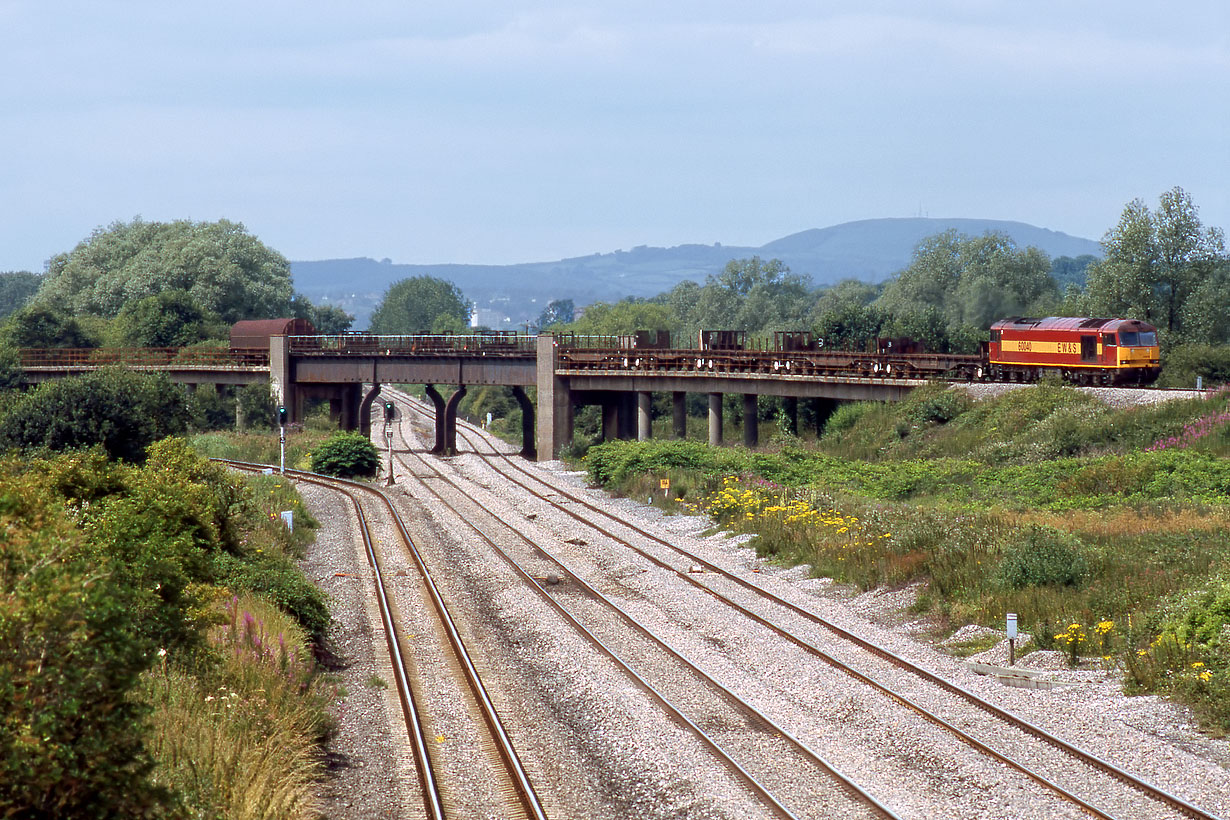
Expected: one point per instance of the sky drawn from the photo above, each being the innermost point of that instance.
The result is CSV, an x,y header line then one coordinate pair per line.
x,y
502,132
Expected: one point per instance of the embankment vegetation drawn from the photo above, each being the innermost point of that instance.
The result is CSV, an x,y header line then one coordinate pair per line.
x,y
1105,529
156,639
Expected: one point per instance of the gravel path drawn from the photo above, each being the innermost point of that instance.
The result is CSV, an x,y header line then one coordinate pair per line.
x,y
606,751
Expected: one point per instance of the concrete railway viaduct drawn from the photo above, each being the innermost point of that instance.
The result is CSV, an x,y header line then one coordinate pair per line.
x,y
564,371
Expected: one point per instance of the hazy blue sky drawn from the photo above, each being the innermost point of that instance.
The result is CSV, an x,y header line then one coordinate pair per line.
x,y
502,132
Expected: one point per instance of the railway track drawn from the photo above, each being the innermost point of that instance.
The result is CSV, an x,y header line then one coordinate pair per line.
x,y
508,791
738,734
994,731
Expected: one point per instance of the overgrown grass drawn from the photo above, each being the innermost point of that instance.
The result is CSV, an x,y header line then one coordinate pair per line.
x,y
1089,522
239,740
113,591
259,448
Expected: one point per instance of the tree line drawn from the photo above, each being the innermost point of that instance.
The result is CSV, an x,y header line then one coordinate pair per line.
x,y
1160,265
180,283
154,284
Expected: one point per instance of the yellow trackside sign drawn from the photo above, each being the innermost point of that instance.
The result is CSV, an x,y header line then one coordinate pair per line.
x,y
664,484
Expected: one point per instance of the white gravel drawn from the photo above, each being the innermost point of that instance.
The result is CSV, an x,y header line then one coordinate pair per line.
x,y
371,771
607,751
1114,396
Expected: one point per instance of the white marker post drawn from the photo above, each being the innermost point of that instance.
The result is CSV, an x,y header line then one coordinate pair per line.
x,y
282,438
1012,639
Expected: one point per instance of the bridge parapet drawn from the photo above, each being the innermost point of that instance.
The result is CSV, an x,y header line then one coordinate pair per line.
x,y
495,344
78,359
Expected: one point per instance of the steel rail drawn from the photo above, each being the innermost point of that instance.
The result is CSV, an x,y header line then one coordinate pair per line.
x,y
844,781
410,711
1091,760
845,668
525,789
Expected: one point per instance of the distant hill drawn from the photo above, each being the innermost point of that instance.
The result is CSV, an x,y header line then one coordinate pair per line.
x,y
870,249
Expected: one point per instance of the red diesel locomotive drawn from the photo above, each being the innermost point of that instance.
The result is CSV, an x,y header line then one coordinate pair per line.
x,y
1085,351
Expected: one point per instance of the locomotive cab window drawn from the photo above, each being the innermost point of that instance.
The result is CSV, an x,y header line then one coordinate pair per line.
x,y
994,335
1148,338
1129,338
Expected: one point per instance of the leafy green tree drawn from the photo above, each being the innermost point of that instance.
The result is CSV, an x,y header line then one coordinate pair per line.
x,y
447,323
925,325
681,300
11,375
346,455
327,319
16,288
1068,271
45,326
752,294
1156,262
849,326
211,409
255,405
1205,315
557,312
227,270
716,308
172,318
420,304
621,318
931,278
120,410
972,281
777,306
843,317
998,279
741,276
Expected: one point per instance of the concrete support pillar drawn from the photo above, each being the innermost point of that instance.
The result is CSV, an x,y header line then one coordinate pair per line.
x,y
365,410
627,416
751,421
790,406
610,418
644,416
554,401
715,419
450,421
528,451
280,384
437,401
679,414
352,400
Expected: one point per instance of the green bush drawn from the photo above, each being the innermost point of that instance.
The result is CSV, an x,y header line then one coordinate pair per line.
x,y
614,462
70,655
1203,617
935,403
256,407
346,455
1042,556
276,577
120,409
846,416
1181,365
